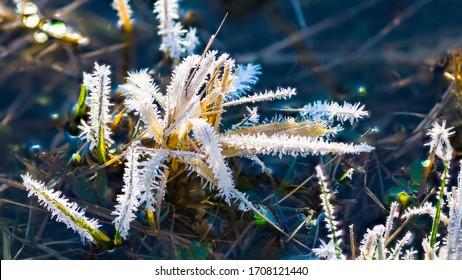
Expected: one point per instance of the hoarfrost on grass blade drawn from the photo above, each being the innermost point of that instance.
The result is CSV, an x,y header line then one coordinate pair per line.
x,y
368,244
202,71
333,110
97,129
140,92
439,140
426,208
190,41
244,145
280,93
331,223
128,201
124,12
150,176
212,148
372,245
141,87
326,251
454,237
430,253
389,224
246,76
166,11
250,119
173,39
396,251
176,89
66,212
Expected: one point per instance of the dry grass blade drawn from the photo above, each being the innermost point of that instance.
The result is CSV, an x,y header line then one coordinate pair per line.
x,y
374,198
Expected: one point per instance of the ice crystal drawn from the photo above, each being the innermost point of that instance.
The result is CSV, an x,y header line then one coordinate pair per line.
x,y
176,40
373,246
97,129
151,174
428,209
250,119
393,214
331,223
61,208
281,93
182,127
173,39
409,254
190,41
124,12
430,252
326,251
140,93
396,251
166,11
246,76
439,140
187,118
212,149
128,201
261,144
332,110
454,237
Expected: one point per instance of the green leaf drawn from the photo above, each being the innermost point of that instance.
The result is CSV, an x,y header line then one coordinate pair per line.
x,y
269,213
101,148
403,182
81,103
259,220
416,172
403,198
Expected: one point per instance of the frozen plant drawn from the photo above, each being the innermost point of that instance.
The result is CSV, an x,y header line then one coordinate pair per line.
x,y
451,247
187,118
246,76
97,132
128,201
182,126
453,242
332,250
375,242
66,212
125,14
176,40
373,246
179,129
333,110
441,147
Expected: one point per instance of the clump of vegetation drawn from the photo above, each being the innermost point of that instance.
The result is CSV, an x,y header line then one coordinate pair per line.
x,y
374,244
181,132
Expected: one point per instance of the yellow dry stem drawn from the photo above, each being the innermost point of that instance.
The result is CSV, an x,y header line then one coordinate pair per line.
x,y
306,129
124,15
